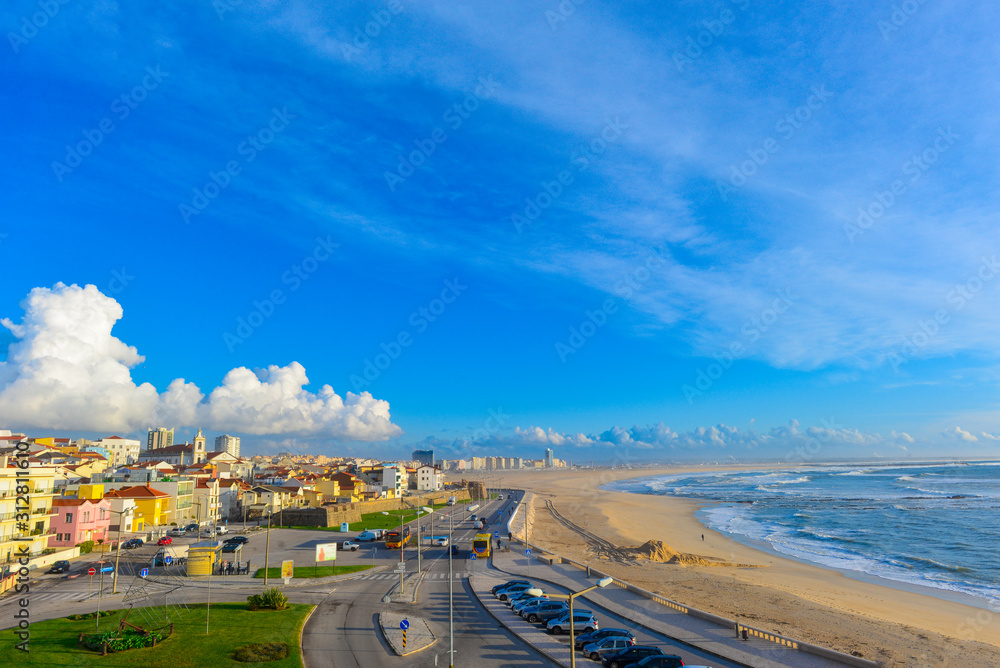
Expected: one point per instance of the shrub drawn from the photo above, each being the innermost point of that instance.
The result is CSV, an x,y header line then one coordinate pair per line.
x,y
86,547
48,550
89,615
128,640
269,598
257,653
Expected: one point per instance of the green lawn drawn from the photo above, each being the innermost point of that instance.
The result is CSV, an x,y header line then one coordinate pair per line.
x,y
390,521
231,625
313,571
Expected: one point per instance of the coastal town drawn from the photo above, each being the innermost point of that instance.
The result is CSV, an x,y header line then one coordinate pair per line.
x,y
86,495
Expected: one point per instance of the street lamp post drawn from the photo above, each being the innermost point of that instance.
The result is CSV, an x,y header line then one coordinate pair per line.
x,y
451,594
267,547
603,582
118,554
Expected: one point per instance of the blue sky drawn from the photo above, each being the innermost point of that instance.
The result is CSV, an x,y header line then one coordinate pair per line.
x,y
704,230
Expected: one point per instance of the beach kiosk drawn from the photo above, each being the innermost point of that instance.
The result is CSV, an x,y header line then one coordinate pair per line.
x,y
203,556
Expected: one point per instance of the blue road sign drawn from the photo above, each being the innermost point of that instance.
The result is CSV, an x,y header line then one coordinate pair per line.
x,y
472,556
144,572
404,624
167,559
527,551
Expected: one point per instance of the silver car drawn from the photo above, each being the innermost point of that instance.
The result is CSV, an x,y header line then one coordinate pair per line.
x,y
611,644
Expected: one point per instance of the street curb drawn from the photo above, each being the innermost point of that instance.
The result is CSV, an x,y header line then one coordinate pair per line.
x,y
258,583
389,639
302,654
546,654
637,623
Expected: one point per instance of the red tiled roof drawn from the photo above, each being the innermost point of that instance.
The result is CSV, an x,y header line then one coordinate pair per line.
x,y
138,491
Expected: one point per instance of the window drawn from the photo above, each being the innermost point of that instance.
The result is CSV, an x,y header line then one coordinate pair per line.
x,y
69,518
86,516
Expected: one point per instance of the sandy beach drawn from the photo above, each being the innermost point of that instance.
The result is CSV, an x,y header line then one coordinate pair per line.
x,y
888,624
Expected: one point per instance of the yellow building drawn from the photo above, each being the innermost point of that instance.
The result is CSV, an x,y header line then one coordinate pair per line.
x,y
31,534
151,505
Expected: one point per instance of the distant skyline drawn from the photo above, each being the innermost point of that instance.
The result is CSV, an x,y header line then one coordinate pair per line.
x,y
720,229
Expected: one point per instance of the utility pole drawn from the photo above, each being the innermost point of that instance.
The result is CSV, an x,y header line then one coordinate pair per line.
x,y
451,593
267,547
118,554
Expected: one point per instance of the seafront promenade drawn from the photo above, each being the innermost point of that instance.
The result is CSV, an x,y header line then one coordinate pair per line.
x,y
709,633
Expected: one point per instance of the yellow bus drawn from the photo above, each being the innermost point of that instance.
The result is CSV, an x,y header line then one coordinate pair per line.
x,y
481,545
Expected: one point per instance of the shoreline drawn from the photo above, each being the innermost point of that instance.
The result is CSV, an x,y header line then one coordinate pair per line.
x,y
882,619
763,546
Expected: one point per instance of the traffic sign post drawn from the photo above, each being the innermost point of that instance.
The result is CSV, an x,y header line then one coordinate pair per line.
x,y
404,624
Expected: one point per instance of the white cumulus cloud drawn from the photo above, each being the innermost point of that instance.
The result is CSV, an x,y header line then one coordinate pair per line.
x,y
67,371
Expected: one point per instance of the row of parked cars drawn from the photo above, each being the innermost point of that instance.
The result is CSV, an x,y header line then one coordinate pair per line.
x,y
614,648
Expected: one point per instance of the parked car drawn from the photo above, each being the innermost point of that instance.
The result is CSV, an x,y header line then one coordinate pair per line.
x,y
587,638
665,661
609,645
544,610
191,528
132,543
61,566
240,540
177,531
367,536
506,593
166,540
348,545
631,656
231,547
523,596
208,532
223,530
508,584
582,619
525,602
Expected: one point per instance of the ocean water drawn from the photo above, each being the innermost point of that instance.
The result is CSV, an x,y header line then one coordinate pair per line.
x,y
936,525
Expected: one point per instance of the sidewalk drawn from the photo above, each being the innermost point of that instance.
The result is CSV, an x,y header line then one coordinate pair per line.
x,y
698,633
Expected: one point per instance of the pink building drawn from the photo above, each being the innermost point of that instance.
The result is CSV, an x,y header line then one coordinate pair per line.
x,y
78,520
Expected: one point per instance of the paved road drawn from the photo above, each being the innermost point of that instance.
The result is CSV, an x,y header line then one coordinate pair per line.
x,y
347,618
